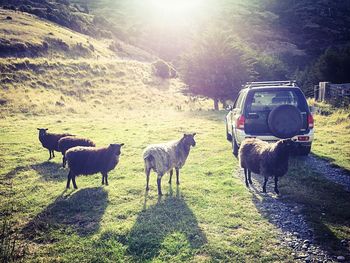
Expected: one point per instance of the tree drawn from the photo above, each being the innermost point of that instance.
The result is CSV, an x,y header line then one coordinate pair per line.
x,y
332,66
215,68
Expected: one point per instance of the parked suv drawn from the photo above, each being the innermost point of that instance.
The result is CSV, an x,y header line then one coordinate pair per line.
x,y
270,111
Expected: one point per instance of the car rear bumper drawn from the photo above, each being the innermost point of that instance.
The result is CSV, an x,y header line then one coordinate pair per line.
x,y
305,140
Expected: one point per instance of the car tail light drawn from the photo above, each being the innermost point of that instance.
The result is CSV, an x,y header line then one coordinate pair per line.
x,y
310,121
240,122
303,138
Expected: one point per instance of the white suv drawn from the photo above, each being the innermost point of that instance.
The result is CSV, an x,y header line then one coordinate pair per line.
x,y
270,111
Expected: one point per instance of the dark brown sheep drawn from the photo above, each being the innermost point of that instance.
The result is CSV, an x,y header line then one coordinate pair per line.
x,y
50,140
267,159
90,160
68,142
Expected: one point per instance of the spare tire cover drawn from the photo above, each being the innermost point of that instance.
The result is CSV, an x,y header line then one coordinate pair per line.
x,y
285,121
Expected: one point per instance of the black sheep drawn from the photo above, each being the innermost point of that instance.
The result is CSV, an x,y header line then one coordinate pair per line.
x,y
90,160
267,159
50,140
68,142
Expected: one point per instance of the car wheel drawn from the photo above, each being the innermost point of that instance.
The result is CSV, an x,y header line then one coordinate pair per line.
x,y
234,147
304,150
228,136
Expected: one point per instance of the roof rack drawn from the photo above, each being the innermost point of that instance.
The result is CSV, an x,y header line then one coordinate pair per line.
x,y
292,83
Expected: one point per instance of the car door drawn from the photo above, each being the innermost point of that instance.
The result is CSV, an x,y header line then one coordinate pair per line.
x,y
237,111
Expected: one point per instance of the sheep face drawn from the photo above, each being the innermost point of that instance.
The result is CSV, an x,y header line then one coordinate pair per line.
x,y
188,139
288,145
115,148
42,131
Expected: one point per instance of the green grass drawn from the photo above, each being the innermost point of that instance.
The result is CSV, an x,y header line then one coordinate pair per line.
x,y
332,135
210,216
42,86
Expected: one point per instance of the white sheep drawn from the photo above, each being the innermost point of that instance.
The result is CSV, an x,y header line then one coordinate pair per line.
x,y
164,157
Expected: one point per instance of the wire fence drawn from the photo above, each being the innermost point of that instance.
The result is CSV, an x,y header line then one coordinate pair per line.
x,y
337,95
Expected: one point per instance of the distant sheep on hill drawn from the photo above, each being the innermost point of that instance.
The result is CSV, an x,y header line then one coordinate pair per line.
x,y
50,140
68,142
267,159
166,156
90,160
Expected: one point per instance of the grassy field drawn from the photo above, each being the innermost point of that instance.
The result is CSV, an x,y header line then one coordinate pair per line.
x,y
210,216
333,137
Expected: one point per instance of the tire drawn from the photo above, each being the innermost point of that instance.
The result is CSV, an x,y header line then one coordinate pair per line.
x,y
304,150
234,147
285,121
228,136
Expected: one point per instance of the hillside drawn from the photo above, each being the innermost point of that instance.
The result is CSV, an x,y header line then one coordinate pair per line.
x,y
47,69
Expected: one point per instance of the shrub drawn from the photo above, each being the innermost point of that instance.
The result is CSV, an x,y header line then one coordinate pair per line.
x,y
162,69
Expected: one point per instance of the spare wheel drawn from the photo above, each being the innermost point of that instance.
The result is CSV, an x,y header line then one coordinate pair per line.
x,y
285,121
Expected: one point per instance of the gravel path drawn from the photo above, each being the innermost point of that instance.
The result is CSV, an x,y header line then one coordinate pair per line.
x,y
294,229
330,172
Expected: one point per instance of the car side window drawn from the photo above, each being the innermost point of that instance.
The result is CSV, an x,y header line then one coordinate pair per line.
x,y
238,102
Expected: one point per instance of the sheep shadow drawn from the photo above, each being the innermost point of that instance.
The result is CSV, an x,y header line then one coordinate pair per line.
x,y
305,206
48,171
169,215
80,212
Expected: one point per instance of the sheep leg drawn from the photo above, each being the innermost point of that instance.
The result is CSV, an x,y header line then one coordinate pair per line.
x,y
276,186
159,182
103,178
74,183
177,175
63,161
171,175
106,177
265,182
53,153
148,171
250,177
68,179
50,154
245,177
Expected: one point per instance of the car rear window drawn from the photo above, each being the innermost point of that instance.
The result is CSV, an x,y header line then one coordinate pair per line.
x,y
267,100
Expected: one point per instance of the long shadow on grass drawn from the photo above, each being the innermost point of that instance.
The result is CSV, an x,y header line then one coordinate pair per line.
x,y
322,203
170,215
80,212
48,171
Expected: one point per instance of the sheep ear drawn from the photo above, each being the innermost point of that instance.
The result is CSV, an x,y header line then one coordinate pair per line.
x,y
194,134
38,129
46,129
121,144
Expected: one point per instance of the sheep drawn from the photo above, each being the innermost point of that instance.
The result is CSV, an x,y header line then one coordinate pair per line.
x,y
164,157
90,160
267,159
50,140
68,142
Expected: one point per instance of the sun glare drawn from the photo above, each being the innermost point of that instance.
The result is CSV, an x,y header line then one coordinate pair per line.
x,y
175,11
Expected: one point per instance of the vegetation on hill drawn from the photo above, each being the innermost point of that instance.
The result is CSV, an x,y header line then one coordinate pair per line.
x,y
47,69
281,36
